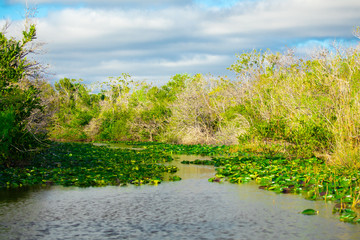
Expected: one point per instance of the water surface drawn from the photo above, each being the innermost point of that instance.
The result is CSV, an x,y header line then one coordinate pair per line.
x,y
189,209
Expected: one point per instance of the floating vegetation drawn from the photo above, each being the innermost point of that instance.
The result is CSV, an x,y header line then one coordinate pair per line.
x,y
174,178
199,162
216,179
84,165
197,149
310,211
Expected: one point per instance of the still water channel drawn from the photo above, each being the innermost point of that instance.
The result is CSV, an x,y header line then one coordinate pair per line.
x,y
189,209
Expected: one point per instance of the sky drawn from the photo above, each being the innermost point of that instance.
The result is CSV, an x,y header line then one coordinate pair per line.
x,y
154,40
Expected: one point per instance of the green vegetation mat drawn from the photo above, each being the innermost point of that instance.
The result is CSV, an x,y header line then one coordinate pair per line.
x,y
84,165
196,149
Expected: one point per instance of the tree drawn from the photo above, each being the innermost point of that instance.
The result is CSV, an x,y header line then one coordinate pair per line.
x,y
18,96
75,107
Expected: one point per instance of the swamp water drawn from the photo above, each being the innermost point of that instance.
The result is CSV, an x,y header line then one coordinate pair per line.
x,y
192,208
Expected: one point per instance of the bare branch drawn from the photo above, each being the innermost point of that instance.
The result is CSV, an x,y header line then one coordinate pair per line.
x,y
356,32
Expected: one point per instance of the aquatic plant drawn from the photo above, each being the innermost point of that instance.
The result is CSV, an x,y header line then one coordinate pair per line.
x,y
199,162
193,149
83,165
174,178
310,211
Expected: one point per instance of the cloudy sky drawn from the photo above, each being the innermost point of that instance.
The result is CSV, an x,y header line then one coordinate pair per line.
x,y
153,40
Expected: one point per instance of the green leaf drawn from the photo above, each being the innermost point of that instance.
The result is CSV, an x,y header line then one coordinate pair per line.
x,y
174,178
310,211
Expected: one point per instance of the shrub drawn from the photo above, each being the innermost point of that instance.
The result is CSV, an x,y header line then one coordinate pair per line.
x,y
312,106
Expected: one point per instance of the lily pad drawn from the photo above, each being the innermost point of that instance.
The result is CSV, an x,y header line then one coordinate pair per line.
x,y
174,178
310,211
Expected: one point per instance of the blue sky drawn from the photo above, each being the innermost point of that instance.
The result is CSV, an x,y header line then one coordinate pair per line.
x,y
14,9
154,40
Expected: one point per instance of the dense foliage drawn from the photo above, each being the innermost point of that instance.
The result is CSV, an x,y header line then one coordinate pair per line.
x,y
306,107
19,98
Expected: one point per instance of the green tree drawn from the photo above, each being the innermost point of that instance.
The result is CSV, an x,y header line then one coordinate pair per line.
x,y
17,100
75,108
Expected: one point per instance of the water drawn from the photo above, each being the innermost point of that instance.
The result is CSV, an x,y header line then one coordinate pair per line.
x,y
189,209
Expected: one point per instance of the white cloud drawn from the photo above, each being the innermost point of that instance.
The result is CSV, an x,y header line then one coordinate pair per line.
x,y
90,42
299,18
89,25
194,60
107,3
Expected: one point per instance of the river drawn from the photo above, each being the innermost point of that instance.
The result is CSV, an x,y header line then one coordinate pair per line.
x,y
192,208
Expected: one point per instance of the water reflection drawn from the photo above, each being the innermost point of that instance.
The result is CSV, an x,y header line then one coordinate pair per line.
x,y
190,209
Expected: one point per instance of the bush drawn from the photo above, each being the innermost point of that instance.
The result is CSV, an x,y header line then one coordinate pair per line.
x,y
7,125
311,106
19,97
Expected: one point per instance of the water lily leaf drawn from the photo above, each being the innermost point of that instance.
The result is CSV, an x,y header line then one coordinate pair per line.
x,y
310,211
348,217
174,178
